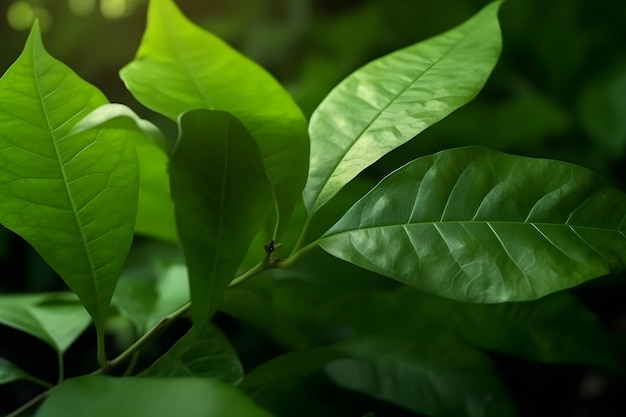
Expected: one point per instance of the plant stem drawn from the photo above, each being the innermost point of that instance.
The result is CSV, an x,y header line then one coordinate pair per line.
x,y
61,367
257,269
32,402
102,359
297,254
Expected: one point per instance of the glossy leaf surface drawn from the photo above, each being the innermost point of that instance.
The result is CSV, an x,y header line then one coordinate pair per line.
x,y
56,318
390,100
209,355
180,66
102,396
477,225
72,197
222,198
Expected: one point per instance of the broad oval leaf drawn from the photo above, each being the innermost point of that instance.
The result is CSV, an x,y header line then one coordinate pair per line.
x,y
103,396
390,100
477,225
180,66
208,355
56,318
433,374
72,197
222,198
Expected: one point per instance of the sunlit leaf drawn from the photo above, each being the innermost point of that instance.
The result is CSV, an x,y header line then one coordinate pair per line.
x,y
102,396
208,355
222,198
392,99
56,318
72,197
180,66
477,225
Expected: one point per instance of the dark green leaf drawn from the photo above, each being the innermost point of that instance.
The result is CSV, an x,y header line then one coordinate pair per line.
x,y
222,198
208,355
389,101
477,225
556,329
56,318
289,366
181,67
72,197
102,396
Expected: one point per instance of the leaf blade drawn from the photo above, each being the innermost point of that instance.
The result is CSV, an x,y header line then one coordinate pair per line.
x,y
72,197
173,56
476,225
392,99
222,198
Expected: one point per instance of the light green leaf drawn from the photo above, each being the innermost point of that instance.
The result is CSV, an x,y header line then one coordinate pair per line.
x,y
119,116
103,396
554,329
477,225
390,100
155,211
72,197
56,318
222,198
180,66
209,355
10,372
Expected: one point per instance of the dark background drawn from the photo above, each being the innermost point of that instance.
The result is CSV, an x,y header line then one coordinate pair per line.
x,y
559,91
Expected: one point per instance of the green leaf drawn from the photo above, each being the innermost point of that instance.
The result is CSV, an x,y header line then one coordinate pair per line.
x,y
289,366
554,329
10,372
155,210
72,197
119,116
154,283
209,355
103,396
180,66
392,99
56,318
222,198
477,225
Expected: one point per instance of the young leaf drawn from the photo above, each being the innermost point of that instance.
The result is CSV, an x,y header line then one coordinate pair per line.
x,y
222,198
433,374
72,197
181,67
392,99
103,396
10,372
56,318
155,211
208,355
477,225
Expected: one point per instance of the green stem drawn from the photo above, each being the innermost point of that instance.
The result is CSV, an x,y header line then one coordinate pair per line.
x,y
257,269
297,254
32,402
302,237
102,359
61,367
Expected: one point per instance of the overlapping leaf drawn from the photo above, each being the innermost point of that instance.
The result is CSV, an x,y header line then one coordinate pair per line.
x,y
390,100
208,355
10,372
72,197
181,67
477,225
102,396
222,198
56,318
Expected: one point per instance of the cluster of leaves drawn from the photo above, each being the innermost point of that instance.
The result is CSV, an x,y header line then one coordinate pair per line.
x,y
249,191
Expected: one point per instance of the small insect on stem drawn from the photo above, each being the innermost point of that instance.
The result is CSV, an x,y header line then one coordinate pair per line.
x,y
271,247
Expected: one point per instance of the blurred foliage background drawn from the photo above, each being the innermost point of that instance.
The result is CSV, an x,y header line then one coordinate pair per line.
x,y
559,91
